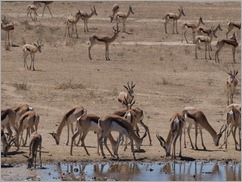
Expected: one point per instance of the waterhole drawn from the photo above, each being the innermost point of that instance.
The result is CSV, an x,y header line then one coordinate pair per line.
x,y
136,171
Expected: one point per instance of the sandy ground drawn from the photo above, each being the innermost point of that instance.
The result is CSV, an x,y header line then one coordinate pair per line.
x,y
165,71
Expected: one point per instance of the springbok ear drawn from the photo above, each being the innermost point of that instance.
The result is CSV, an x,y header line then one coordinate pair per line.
x,y
52,134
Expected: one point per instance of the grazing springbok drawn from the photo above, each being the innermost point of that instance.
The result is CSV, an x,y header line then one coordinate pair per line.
x,y
135,116
68,119
35,145
233,123
126,95
46,4
231,26
32,8
85,17
190,123
31,49
176,126
231,84
8,117
115,9
200,119
116,123
193,27
123,16
174,17
232,42
106,40
7,26
72,21
207,41
89,122
6,144
28,121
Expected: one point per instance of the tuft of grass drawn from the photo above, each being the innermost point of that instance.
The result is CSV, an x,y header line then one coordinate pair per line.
x,y
27,25
69,85
20,86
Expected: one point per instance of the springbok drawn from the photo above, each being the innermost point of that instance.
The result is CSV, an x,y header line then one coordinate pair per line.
x,y
233,123
7,26
46,4
116,123
176,126
200,119
106,40
85,17
126,95
68,119
232,42
207,41
72,21
33,8
31,49
231,84
35,145
174,17
6,143
115,9
231,26
123,16
192,26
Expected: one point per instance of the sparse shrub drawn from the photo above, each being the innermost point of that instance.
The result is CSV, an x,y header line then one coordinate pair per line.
x,y
20,86
69,84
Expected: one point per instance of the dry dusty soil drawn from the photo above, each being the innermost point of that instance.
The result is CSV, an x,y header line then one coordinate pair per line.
x,y
166,74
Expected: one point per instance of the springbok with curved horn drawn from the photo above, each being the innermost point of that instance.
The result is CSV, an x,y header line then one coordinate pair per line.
x,y
231,26
176,126
192,26
31,49
85,17
174,17
231,84
126,95
123,16
232,42
106,40
199,118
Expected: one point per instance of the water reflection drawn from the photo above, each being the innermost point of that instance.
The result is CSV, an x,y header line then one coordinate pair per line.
x,y
124,171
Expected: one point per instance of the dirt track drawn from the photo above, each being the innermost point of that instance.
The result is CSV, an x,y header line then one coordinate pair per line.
x,y
167,77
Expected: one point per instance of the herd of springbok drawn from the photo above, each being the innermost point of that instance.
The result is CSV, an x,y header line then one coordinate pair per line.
x,y
21,117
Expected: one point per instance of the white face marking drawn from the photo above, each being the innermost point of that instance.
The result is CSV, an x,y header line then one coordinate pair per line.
x,y
185,115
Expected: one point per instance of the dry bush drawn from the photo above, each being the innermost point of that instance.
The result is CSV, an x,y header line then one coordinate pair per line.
x,y
69,84
20,86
